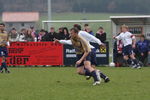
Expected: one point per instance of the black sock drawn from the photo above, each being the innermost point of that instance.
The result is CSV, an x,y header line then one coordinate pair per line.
x,y
5,66
102,75
135,61
129,61
1,68
87,72
94,75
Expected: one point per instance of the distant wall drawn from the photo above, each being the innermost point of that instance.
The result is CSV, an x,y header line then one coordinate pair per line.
x,y
19,25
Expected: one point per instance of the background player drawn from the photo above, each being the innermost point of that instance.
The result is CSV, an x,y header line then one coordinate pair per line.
x,y
129,42
3,48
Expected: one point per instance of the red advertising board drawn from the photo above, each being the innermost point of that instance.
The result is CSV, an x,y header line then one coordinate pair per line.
x,y
35,53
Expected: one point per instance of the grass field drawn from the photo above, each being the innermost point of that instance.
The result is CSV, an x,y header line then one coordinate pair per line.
x,y
62,83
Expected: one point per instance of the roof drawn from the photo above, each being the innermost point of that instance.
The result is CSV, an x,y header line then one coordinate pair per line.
x,y
140,16
75,21
20,16
135,20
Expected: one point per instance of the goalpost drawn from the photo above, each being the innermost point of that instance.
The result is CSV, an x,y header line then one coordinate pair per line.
x,y
94,25
73,21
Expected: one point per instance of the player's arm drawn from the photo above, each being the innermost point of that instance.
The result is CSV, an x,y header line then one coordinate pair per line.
x,y
117,37
86,51
133,39
63,41
7,39
91,38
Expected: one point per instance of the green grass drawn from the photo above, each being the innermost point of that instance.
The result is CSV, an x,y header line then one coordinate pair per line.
x,y
64,84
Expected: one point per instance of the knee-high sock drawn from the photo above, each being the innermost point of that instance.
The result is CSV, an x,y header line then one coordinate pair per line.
x,y
94,75
87,72
102,75
135,61
1,68
129,61
4,66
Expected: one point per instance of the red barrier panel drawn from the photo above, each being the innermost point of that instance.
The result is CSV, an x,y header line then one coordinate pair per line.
x,y
35,53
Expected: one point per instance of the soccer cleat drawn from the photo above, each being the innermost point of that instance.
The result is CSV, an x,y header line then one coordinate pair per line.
x,y
96,83
7,71
106,80
1,71
88,77
134,66
138,67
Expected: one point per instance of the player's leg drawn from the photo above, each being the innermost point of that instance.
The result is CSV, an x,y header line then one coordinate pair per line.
x,y
88,71
126,58
103,76
148,57
136,62
127,50
4,64
1,68
93,58
94,64
80,70
4,55
94,73
93,61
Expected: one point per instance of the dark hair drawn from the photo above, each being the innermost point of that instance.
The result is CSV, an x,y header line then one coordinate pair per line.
x,y
23,29
13,29
101,28
77,26
75,30
65,28
31,27
142,36
86,24
2,24
52,28
42,30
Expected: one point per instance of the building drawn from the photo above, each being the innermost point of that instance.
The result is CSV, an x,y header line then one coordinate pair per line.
x,y
138,25
19,20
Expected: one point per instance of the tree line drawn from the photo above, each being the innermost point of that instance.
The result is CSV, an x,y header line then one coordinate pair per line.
x,y
112,6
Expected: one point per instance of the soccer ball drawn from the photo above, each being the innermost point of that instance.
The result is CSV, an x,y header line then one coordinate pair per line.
x,y
112,64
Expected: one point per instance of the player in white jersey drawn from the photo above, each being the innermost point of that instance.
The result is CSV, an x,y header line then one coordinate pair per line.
x,y
129,42
90,38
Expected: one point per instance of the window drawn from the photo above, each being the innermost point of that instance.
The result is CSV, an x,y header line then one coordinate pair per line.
x,y
10,24
22,24
136,30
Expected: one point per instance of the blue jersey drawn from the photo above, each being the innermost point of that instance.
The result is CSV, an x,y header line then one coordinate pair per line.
x,y
142,46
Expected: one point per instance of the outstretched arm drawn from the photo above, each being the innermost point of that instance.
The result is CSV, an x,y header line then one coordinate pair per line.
x,y
90,38
63,41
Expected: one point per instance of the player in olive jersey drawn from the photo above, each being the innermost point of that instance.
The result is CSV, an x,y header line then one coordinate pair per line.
x,y
83,52
3,48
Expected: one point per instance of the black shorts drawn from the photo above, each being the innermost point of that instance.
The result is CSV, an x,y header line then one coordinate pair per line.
x,y
79,56
93,57
127,50
3,52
